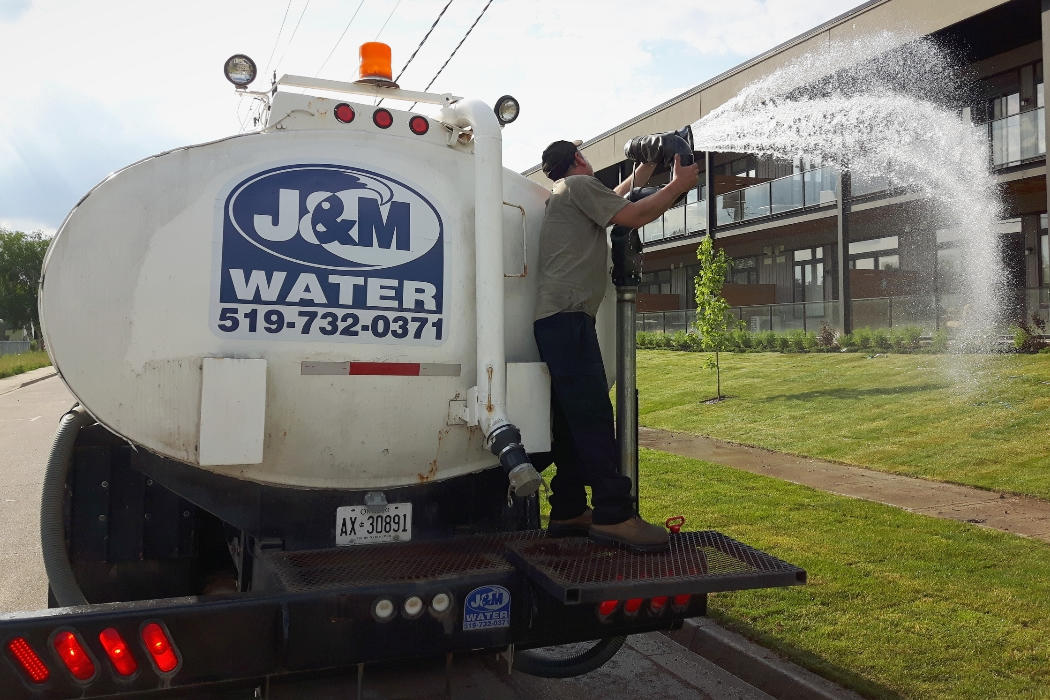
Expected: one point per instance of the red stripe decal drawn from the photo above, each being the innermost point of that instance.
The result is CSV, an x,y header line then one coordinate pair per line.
x,y
397,369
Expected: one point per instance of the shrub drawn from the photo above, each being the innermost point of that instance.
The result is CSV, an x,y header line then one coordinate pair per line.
x,y
939,340
863,337
741,340
766,340
880,340
1026,340
826,338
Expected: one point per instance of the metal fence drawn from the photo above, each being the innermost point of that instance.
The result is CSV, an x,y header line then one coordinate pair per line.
x,y
13,347
928,311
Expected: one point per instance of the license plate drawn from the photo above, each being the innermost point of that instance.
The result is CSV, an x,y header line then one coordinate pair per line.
x,y
373,524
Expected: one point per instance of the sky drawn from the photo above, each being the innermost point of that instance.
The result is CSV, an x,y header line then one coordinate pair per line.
x,y
89,87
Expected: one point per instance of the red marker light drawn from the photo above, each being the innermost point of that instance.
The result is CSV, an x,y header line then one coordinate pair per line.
x,y
419,125
607,607
117,651
681,601
344,113
74,656
160,647
632,606
25,656
382,118
658,604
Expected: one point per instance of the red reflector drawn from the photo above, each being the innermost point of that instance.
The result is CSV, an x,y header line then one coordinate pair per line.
x,y
397,369
25,656
608,607
73,655
632,606
344,113
382,118
419,125
658,603
117,651
681,601
159,647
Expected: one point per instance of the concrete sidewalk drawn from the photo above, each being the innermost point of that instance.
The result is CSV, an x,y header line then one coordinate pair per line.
x,y
1020,515
9,384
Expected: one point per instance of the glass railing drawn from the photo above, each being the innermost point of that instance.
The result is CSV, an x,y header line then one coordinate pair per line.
x,y
1017,138
688,217
807,189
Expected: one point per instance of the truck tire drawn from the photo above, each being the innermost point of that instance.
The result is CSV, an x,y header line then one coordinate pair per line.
x,y
567,660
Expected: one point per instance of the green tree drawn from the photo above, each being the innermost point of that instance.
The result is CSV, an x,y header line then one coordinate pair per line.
x,y
713,321
21,257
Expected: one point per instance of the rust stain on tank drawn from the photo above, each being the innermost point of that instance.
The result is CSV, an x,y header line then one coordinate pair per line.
x,y
430,473
488,404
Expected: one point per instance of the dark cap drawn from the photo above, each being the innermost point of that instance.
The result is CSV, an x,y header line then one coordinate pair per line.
x,y
558,156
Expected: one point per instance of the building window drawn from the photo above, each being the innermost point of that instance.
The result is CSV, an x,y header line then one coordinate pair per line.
x,y
1044,253
744,270
657,282
874,254
809,274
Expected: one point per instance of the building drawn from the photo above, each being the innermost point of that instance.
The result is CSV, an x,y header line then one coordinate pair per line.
x,y
798,247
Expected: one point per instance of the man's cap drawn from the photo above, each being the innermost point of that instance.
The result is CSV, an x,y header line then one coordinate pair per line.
x,y
558,156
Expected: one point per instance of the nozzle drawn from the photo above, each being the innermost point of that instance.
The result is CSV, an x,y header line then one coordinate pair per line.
x,y
662,148
505,442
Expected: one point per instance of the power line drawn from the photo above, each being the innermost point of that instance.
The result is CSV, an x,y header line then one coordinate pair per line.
x,y
423,41
457,46
387,20
292,38
340,39
278,39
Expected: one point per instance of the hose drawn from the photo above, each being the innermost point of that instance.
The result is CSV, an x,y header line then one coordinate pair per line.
x,y
59,569
547,665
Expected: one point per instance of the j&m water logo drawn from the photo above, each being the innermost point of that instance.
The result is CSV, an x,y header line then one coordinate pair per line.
x,y
486,607
336,239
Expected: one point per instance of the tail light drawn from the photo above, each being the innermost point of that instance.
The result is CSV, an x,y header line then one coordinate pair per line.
x,y
117,651
382,118
681,602
73,655
658,604
607,608
419,125
344,113
632,606
27,660
160,648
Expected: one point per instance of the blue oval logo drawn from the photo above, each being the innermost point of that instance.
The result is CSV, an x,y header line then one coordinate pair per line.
x,y
334,217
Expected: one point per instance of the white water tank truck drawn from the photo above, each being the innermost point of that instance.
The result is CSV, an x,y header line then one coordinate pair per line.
x,y
309,405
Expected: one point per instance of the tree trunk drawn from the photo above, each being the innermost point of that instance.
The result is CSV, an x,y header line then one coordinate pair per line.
x,y
718,377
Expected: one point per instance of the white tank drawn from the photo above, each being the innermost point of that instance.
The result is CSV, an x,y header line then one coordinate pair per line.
x,y
313,248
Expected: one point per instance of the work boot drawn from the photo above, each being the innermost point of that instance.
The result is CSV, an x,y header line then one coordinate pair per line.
x,y
577,526
633,533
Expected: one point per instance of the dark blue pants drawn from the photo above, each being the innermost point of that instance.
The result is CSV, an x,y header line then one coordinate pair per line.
x,y
584,439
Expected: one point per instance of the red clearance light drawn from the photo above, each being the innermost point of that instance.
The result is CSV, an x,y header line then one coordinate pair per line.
x,y
74,656
632,606
419,125
658,604
681,601
382,118
117,651
25,656
160,647
607,607
344,113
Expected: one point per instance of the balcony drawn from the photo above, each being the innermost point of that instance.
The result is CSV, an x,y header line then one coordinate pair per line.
x,y
1018,138
812,188
688,217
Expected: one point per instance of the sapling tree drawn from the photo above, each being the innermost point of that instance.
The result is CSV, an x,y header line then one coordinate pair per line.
x,y
713,322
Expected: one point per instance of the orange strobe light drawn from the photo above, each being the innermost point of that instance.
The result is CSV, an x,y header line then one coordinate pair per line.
x,y
375,62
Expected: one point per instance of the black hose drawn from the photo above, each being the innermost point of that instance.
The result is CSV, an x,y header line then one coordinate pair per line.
x,y
59,569
547,665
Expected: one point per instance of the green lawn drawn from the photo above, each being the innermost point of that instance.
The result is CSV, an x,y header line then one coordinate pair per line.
x,y
897,604
976,420
11,365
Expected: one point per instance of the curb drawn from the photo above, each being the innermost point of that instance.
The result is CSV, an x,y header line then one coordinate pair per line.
x,y
756,665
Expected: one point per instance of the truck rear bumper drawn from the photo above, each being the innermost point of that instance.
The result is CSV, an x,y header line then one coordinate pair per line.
x,y
335,608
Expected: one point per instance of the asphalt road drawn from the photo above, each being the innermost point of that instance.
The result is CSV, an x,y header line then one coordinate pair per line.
x,y
649,666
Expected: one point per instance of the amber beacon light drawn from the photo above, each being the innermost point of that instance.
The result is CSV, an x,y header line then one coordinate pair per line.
x,y
375,63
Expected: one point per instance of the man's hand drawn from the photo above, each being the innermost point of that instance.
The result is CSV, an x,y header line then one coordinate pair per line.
x,y
684,177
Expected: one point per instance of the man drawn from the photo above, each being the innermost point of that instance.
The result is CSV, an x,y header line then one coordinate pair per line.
x,y
573,264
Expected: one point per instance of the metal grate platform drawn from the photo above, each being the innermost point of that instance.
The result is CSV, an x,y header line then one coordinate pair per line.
x,y
577,570
402,562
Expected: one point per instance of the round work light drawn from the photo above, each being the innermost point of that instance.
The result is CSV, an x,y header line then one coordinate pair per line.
x,y
240,70
507,109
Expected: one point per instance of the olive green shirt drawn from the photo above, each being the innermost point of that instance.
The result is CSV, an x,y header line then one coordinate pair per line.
x,y
574,248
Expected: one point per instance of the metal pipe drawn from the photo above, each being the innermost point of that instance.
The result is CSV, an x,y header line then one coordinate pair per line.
x,y
491,408
626,385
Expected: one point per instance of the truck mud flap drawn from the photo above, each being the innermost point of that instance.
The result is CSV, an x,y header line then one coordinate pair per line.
x,y
576,570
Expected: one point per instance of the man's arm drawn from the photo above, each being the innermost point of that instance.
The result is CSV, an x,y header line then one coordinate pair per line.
x,y
638,214
641,176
